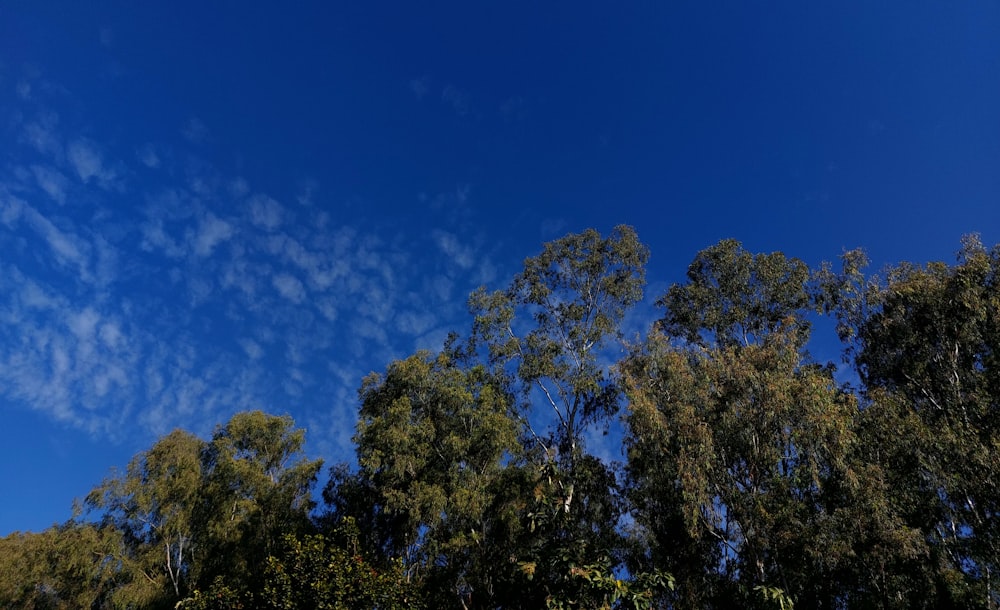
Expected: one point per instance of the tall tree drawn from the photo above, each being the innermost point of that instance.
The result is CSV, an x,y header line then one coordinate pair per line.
x,y
548,334
256,489
925,341
64,567
547,330
434,434
152,505
740,447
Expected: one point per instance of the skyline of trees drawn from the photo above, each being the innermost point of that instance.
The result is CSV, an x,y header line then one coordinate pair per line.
x,y
751,475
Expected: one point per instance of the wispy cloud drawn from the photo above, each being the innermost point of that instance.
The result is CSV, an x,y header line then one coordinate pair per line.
x,y
66,248
458,99
289,287
23,90
51,181
194,131
41,134
88,163
449,244
194,295
148,156
210,233
265,212
420,87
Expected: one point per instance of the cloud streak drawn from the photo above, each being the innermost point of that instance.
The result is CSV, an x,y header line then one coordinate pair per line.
x,y
192,295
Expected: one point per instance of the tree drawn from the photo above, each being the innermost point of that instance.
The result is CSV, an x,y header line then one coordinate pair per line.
x,y
67,566
925,341
547,330
740,448
546,335
459,470
152,505
314,573
256,489
433,436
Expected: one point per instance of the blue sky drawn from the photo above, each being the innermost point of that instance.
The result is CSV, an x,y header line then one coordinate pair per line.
x,y
210,207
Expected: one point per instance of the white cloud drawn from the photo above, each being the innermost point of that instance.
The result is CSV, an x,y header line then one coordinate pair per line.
x,y
11,209
85,159
253,349
83,323
449,244
441,287
41,135
420,87
199,289
195,131
148,156
307,191
265,212
164,314
51,181
67,248
111,335
211,232
32,296
414,323
457,99
449,200
239,187
155,238
289,287
241,275
89,164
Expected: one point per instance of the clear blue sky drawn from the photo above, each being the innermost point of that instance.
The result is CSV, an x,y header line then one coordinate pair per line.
x,y
207,207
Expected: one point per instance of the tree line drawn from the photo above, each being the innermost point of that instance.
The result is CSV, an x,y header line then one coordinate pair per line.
x,y
750,474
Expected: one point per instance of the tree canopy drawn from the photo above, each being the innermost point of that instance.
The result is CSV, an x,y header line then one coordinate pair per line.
x,y
750,474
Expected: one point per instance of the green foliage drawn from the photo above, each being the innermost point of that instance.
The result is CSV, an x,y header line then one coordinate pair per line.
x,y
928,355
433,437
754,479
256,488
775,597
742,453
735,297
64,567
312,573
219,596
152,505
546,329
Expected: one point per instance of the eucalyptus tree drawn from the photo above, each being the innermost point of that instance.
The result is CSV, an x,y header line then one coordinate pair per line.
x,y
926,344
256,487
739,447
66,566
549,334
153,506
434,435
472,461
547,329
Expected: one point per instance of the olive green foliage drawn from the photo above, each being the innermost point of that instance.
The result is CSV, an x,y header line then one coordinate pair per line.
x,y
315,573
65,567
738,444
186,516
547,328
752,476
256,489
152,505
928,352
433,437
